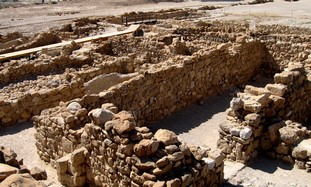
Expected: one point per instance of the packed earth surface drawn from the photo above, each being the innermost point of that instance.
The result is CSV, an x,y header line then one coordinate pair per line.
x,y
155,93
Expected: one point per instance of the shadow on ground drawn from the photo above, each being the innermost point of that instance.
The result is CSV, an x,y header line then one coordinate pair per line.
x,y
13,129
258,172
268,165
191,117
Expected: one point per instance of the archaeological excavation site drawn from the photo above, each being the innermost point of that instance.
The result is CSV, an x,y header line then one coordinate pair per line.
x,y
94,93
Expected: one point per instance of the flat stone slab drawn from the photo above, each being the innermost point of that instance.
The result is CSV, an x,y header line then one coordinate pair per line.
x,y
306,145
6,170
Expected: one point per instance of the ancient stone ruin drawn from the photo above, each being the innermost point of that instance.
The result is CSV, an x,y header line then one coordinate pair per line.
x,y
91,103
14,172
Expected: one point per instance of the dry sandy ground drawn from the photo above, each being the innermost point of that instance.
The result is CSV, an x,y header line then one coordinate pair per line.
x,y
36,18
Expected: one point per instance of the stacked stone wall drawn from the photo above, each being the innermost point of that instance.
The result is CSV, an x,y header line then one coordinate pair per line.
x,y
160,91
103,148
156,92
270,119
22,101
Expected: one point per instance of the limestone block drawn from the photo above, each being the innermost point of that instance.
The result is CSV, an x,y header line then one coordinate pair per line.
x,y
9,156
170,149
145,166
185,149
166,137
235,131
256,90
210,162
294,66
67,145
104,82
148,183
65,179
252,119
146,147
186,180
137,178
284,77
252,106
162,162
6,170
78,156
110,106
303,150
263,99
236,103
124,115
276,89
246,133
110,124
288,135
176,156
148,176
161,171
100,116
217,155
124,127
73,107
278,102
227,125
223,145
62,164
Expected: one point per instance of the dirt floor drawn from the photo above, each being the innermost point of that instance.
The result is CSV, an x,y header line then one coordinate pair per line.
x,y
197,124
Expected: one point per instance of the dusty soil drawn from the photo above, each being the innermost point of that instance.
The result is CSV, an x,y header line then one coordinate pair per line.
x,y
197,124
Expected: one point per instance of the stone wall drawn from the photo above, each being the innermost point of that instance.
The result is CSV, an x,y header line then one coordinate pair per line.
x,y
107,148
164,89
156,92
285,44
261,119
21,101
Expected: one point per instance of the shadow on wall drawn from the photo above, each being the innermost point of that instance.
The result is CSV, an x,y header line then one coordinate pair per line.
x,y
191,117
270,65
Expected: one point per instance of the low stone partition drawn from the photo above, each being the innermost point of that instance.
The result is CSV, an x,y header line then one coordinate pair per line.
x,y
22,101
157,90
261,119
58,60
104,147
123,151
27,102
167,87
